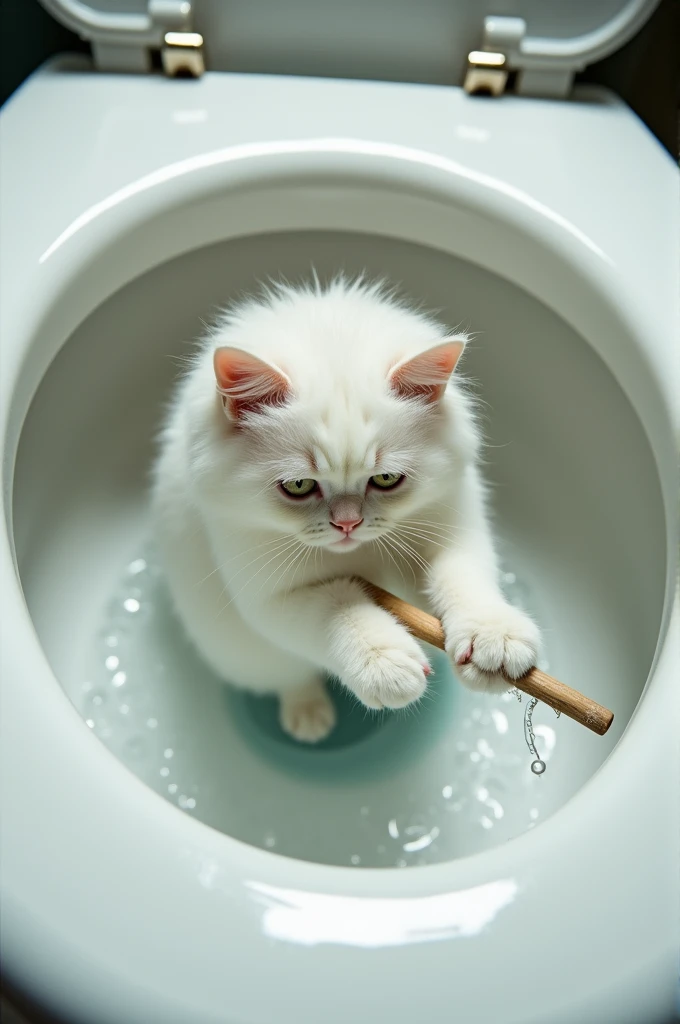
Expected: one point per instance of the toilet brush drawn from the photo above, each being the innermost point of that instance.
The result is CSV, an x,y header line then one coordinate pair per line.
x,y
536,683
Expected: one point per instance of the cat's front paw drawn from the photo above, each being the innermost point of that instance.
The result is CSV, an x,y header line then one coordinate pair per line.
x,y
489,649
387,671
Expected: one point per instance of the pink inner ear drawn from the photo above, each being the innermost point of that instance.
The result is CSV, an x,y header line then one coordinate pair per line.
x,y
248,383
426,375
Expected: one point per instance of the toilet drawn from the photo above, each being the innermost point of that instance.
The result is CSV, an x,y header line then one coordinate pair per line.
x,y
166,853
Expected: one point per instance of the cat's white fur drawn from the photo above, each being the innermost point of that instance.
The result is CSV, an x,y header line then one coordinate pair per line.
x,y
352,383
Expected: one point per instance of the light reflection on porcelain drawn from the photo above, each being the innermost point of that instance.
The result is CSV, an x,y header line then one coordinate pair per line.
x,y
472,133
312,918
308,147
189,116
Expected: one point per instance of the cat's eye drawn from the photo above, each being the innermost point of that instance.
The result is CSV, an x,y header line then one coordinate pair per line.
x,y
299,488
386,481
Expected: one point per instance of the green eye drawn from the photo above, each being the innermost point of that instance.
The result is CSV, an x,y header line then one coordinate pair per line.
x,y
386,481
299,488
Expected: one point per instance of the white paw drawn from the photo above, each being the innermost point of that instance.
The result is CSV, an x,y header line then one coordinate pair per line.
x,y
491,648
307,715
388,672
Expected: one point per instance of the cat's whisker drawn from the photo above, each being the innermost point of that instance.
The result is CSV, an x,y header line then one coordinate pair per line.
x,y
487,444
287,556
384,541
290,561
427,531
267,487
384,550
426,541
299,563
449,508
376,541
228,561
434,523
425,538
396,534
410,552
392,542
277,554
279,550
429,525
393,559
307,560
445,528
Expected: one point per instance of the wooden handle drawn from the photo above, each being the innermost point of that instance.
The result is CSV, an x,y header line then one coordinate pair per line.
x,y
536,683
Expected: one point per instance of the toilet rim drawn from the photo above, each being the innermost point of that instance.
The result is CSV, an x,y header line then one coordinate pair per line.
x,y
285,163
434,184
245,170
193,844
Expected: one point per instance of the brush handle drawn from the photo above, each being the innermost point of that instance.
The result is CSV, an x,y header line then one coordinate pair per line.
x,y
536,683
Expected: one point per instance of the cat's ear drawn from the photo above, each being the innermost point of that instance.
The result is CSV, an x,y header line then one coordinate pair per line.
x,y
247,383
426,375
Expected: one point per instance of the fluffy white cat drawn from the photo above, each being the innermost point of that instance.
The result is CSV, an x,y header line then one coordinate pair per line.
x,y
320,434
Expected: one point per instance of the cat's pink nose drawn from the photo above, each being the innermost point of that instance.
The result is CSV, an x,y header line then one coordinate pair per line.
x,y
346,525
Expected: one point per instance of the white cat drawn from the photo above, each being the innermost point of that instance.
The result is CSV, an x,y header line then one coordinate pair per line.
x,y
320,435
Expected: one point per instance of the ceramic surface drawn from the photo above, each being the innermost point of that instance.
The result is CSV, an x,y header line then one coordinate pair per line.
x,y
451,779
116,905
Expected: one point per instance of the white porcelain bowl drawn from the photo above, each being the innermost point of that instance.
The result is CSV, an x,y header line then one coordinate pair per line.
x,y
564,444
132,909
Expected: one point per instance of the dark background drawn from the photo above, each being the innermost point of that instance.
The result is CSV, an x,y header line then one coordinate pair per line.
x,y
645,72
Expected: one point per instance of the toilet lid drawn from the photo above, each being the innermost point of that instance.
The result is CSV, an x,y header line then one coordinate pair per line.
x,y
546,41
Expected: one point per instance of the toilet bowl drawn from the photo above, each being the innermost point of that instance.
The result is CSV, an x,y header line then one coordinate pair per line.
x,y
166,853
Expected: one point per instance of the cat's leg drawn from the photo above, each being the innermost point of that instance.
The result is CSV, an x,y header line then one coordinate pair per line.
x,y
336,626
488,640
307,712
233,649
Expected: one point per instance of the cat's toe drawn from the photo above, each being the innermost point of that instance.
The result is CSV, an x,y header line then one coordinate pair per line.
x,y
309,716
476,679
492,649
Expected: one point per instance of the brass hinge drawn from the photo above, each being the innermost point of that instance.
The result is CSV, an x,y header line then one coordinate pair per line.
x,y
538,67
182,54
489,67
125,42
486,73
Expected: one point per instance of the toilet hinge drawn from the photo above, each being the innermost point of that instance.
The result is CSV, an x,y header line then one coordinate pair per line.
x,y
488,69
486,73
182,54
542,68
125,42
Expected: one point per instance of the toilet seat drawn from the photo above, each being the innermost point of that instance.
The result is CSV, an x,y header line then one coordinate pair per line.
x,y
233,915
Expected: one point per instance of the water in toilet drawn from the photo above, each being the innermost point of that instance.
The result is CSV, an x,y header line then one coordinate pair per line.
x,y
158,708
447,779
